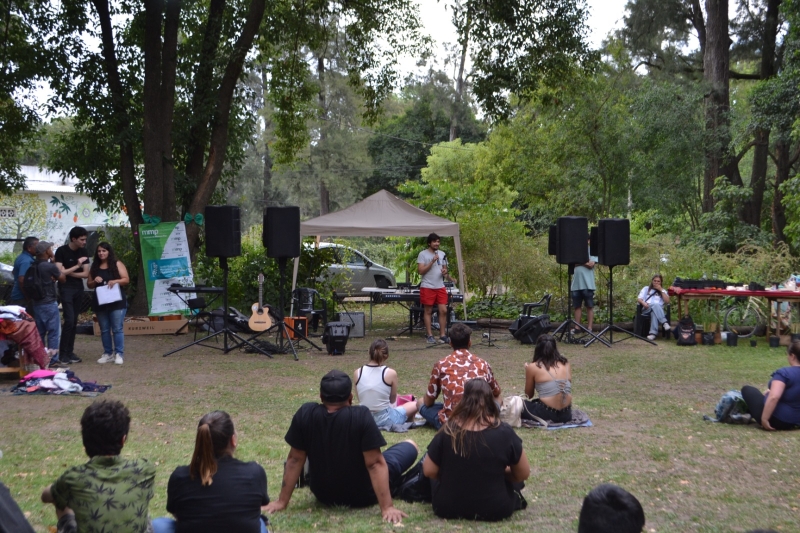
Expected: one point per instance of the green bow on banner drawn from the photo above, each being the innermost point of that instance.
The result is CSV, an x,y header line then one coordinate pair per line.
x,y
149,219
197,219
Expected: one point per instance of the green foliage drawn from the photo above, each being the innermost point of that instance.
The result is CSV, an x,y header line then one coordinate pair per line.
x,y
244,271
503,306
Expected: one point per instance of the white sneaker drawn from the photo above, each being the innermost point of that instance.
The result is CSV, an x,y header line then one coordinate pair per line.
x,y
651,337
118,359
105,358
666,326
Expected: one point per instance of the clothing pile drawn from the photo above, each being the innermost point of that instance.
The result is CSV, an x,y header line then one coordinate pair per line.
x,y
50,382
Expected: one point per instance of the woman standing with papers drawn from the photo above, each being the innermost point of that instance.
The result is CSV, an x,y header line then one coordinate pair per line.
x,y
108,276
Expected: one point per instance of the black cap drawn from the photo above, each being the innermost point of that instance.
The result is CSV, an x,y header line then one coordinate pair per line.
x,y
335,387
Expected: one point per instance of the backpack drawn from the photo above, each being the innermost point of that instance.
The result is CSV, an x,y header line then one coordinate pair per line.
x,y
684,332
731,409
32,283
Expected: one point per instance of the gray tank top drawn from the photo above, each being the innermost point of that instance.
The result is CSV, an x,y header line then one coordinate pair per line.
x,y
548,389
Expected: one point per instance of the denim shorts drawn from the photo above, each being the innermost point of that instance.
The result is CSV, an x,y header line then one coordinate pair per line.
x,y
389,416
581,296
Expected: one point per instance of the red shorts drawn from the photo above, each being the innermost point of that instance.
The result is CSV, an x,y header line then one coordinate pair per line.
x,y
432,296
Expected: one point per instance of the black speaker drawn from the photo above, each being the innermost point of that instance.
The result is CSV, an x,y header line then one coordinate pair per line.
x,y
593,241
281,232
223,231
552,240
527,329
335,337
614,241
573,236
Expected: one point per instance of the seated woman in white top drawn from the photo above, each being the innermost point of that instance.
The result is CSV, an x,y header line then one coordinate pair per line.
x,y
653,298
376,388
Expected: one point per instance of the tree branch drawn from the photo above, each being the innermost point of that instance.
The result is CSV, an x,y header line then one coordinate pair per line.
x,y
742,76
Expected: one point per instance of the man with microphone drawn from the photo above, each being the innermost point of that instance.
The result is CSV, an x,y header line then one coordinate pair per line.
x,y
432,266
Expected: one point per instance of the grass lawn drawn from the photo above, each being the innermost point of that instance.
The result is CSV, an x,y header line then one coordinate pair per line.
x,y
646,404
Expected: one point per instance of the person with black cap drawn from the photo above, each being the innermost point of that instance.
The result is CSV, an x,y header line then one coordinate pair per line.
x,y
343,446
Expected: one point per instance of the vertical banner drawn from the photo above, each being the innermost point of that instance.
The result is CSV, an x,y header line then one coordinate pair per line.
x,y
166,260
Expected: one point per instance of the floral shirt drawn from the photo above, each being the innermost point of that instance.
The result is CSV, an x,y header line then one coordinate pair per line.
x,y
107,494
451,373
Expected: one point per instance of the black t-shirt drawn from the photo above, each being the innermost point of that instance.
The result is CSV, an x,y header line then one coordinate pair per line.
x,y
107,276
335,444
475,487
68,259
231,503
48,273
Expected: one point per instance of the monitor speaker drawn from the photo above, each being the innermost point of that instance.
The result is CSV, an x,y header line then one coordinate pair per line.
x,y
281,232
223,231
573,236
593,241
552,240
614,241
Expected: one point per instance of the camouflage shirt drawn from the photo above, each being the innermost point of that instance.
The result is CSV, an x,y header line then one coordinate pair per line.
x,y
108,494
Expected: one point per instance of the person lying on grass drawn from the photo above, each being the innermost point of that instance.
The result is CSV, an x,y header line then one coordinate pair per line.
x,y
109,493
343,446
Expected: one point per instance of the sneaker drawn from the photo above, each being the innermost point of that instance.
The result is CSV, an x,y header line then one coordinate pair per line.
x,y
105,358
58,364
444,340
75,359
53,361
118,359
431,340
667,326
651,337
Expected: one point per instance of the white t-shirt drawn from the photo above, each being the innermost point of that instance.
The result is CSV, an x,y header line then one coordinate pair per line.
x,y
654,299
433,278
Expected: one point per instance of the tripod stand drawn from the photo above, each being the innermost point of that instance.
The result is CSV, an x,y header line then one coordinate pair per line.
x,y
281,327
566,328
230,339
488,341
611,327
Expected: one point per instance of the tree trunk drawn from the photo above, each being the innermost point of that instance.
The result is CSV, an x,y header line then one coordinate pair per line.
x,y
127,168
782,170
458,104
751,213
324,193
207,182
716,73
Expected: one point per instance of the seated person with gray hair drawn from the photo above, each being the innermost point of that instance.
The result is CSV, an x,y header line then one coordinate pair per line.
x,y
343,446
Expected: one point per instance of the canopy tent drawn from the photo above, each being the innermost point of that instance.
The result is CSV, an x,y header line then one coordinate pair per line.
x,y
382,215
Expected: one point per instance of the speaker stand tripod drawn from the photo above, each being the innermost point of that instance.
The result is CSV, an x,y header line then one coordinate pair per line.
x,y
488,341
230,339
281,328
569,325
611,327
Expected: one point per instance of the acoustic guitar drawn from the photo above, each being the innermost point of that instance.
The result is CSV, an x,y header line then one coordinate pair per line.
x,y
260,319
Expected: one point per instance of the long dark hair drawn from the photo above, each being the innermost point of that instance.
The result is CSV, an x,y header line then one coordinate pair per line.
x,y
659,276
546,353
477,406
214,434
94,271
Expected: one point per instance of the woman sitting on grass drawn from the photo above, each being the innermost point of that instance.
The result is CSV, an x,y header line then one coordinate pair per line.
x,y
215,492
476,461
376,388
779,407
551,376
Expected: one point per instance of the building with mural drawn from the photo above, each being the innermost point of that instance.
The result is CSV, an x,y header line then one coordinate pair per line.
x,y
48,208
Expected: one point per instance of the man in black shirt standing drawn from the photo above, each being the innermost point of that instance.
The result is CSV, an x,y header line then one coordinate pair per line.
x,y
342,444
71,290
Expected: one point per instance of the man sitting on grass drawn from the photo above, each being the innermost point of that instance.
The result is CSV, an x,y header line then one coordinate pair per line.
x,y
108,493
449,375
343,447
610,509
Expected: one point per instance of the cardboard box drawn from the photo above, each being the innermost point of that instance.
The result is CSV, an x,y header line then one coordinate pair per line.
x,y
144,326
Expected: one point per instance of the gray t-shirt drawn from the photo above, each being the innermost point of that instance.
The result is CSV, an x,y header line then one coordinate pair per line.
x,y
49,273
584,277
433,278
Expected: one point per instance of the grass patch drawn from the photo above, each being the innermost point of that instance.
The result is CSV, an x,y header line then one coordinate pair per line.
x,y
646,403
